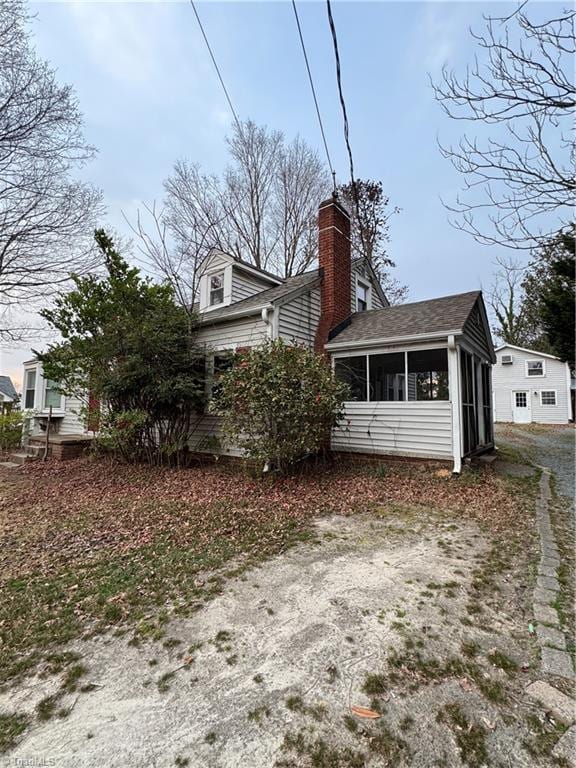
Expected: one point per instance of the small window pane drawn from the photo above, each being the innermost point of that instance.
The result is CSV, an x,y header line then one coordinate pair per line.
x,y
387,376
52,397
521,401
352,371
30,389
216,289
548,397
428,375
535,368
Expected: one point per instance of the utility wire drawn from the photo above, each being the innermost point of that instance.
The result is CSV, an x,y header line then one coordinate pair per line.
x,y
314,92
228,99
343,105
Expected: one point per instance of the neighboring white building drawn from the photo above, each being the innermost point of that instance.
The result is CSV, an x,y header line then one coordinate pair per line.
x,y
38,394
530,386
8,395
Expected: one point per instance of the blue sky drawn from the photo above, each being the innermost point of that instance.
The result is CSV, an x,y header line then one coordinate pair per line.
x,y
149,95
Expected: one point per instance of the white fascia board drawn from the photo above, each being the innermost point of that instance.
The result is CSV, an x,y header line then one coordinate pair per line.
x,y
363,344
257,273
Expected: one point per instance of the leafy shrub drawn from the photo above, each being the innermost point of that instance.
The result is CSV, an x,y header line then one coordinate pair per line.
x,y
10,430
279,403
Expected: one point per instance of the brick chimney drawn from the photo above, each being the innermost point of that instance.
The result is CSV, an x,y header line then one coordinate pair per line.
x,y
335,265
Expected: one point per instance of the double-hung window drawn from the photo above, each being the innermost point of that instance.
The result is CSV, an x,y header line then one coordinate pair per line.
x,y
52,396
362,297
534,368
548,397
216,286
30,389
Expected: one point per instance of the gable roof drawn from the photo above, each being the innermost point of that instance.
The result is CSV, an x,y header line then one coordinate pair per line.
x,y
7,388
530,352
263,274
434,317
253,304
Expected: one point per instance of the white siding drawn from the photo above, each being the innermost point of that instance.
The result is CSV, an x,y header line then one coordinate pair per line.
x,y
298,319
244,332
206,437
244,285
420,429
360,271
507,378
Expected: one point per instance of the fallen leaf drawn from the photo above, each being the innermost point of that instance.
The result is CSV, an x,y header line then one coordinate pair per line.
x,y
369,714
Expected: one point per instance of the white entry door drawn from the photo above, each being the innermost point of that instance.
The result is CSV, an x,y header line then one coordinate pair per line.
x,y
521,407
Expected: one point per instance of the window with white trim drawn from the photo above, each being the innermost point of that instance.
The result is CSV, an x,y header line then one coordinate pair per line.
x,y
548,397
30,389
52,395
362,294
216,289
534,368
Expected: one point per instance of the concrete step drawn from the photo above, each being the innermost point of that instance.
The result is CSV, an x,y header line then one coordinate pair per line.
x,y
20,458
35,451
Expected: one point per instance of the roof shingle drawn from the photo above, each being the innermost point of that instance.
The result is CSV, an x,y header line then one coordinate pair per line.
x,y
443,315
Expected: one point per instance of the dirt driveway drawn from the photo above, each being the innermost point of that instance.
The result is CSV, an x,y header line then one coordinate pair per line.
x,y
547,446
418,612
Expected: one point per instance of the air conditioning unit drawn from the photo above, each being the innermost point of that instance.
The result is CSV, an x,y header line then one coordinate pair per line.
x,y
507,359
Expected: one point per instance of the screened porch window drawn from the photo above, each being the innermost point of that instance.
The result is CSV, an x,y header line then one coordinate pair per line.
x,y
353,372
428,374
395,376
387,377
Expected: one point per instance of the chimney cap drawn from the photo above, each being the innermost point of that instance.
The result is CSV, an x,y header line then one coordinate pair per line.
x,y
334,202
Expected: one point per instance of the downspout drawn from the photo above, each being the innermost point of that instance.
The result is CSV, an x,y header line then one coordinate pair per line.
x,y
270,333
454,385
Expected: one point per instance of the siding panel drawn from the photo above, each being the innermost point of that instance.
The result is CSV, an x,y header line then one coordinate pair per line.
x,y
507,378
298,319
244,332
244,285
403,429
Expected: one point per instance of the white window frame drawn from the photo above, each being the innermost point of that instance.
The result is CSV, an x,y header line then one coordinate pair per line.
x,y
56,408
549,405
34,389
535,375
222,275
367,286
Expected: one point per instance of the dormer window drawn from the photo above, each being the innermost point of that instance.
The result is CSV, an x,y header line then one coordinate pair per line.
x,y
362,292
216,289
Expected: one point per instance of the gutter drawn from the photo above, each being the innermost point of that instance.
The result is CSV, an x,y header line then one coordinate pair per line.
x,y
334,346
234,315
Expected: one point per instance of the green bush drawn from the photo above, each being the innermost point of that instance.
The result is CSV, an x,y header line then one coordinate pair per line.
x,y
10,430
279,403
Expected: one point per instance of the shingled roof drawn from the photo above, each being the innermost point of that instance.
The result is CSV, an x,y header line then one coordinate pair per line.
x,y
261,299
444,315
7,388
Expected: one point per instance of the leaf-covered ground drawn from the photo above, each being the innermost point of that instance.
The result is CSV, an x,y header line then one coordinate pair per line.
x,y
88,544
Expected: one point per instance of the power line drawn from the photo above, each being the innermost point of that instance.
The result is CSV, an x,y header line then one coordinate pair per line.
x,y
313,91
343,105
228,99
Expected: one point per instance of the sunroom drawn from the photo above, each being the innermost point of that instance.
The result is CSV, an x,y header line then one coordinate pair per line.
x,y
419,380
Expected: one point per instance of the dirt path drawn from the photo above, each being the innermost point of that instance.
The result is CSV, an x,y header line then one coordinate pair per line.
x,y
415,614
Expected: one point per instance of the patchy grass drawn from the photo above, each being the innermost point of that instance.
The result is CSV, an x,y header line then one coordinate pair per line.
x,y
470,736
90,545
12,727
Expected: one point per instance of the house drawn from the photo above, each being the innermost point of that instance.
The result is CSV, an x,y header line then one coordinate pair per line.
x,y
531,386
39,395
419,374
8,394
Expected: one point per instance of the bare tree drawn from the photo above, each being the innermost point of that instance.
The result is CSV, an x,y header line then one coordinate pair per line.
x,y
519,182
370,224
46,217
506,299
263,210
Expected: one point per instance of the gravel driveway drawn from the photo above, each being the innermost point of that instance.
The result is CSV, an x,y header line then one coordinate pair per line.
x,y
548,446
